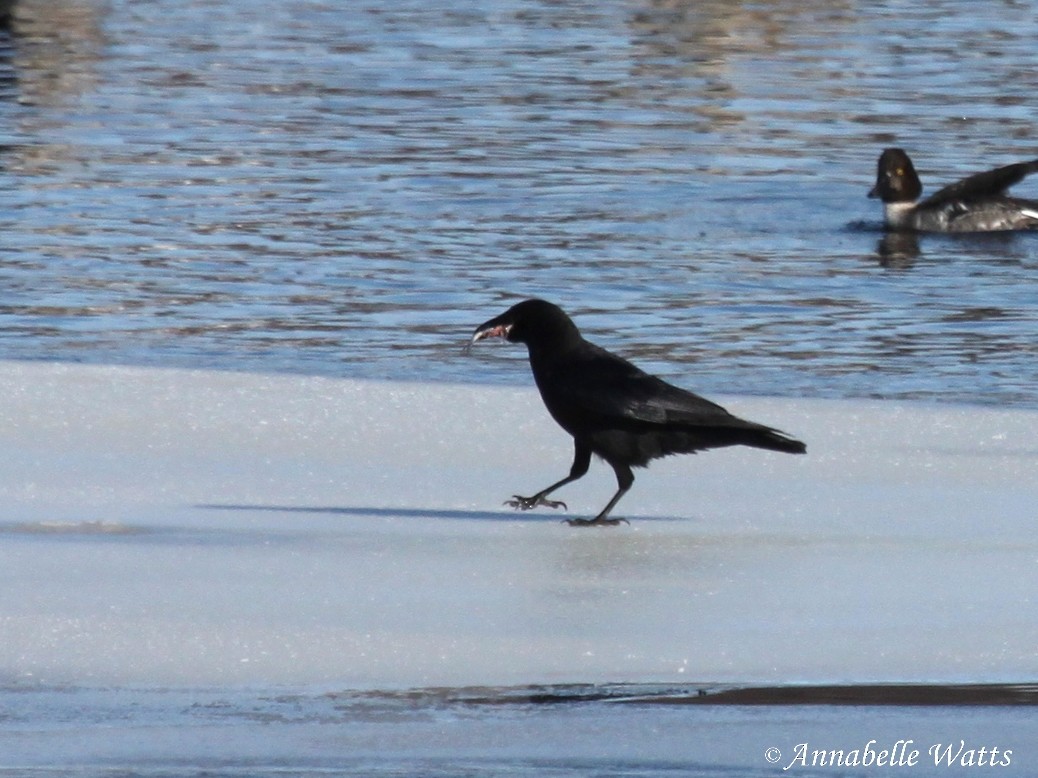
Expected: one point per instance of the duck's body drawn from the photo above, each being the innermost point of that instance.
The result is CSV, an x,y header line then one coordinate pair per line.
x,y
974,204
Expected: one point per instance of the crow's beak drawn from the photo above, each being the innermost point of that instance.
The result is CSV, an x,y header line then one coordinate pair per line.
x,y
488,330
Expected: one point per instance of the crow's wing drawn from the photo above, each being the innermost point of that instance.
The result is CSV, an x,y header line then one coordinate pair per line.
x,y
986,184
602,388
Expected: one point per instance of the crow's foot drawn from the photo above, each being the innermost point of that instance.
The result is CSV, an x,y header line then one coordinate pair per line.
x,y
526,503
596,522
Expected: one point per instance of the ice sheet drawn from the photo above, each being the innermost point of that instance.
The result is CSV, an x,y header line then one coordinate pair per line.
x,y
179,528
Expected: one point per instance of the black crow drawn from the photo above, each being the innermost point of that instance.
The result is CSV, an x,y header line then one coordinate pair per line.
x,y
612,408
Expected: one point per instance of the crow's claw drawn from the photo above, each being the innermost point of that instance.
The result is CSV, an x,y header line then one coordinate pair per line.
x,y
596,522
526,503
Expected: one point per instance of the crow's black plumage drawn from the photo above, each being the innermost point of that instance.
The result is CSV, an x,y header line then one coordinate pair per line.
x,y
612,408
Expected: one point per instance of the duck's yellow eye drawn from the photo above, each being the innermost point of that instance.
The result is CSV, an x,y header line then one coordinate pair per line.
x,y
900,171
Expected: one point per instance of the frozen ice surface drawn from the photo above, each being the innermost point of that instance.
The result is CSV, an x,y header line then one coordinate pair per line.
x,y
197,528
167,531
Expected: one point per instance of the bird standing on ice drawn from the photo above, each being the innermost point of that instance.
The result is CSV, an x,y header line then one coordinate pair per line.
x,y
612,408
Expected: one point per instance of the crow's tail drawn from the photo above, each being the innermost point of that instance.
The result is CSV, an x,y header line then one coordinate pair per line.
x,y
774,440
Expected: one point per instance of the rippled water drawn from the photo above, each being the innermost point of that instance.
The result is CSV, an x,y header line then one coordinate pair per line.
x,y
349,188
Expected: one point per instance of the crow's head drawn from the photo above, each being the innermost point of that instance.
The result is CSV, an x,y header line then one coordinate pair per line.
x,y
537,323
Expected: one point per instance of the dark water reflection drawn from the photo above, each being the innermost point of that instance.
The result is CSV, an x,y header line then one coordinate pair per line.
x,y
348,188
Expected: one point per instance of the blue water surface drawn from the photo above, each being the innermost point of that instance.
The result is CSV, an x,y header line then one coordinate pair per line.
x,y
347,189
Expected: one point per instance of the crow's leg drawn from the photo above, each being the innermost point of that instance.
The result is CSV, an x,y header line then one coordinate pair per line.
x,y
624,480
581,463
